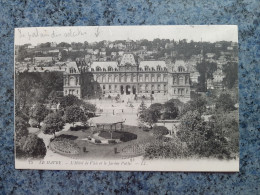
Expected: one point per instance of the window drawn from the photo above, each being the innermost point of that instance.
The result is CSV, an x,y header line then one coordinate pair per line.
x,y
141,78
104,79
92,69
104,87
153,69
110,69
104,70
153,78
165,69
146,78
140,69
116,78
146,68
98,68
109,87
181,81
159,68
159,78
180,69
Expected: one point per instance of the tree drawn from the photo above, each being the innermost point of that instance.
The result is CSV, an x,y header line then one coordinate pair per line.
x,y
69,100
199,104
20,127
225,103
141,110
231,74
34,147
53,123
88,108
74,114
206,70
39,112
150,117
171,110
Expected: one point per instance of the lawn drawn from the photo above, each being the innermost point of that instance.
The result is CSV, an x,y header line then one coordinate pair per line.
x,y
102,151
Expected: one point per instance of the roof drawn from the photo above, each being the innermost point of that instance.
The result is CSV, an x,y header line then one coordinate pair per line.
x,y
43,58
177,64
105,65
128,58
72,66
152,64
106,120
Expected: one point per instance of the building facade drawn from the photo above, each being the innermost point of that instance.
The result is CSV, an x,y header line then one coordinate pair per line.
x,y
129,78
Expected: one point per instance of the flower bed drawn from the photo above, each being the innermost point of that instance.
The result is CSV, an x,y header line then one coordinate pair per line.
x,y
136,149
65,146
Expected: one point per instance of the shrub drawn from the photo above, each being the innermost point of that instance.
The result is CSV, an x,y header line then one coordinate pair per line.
x,y
126,136
160,130
111,141
97,141
78,127
146,129
33,122
34,146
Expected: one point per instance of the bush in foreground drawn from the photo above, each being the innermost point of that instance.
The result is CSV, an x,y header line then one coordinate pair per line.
x,y
160,130
34,147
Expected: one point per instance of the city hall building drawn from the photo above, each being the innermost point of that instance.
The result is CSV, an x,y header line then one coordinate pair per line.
x,y
130,78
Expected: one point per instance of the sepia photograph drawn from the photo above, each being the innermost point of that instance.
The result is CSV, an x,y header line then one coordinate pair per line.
x,y
127,98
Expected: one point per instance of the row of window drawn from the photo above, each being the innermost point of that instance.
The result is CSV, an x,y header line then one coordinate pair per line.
x,y
111,69
141,87
72,92
146,78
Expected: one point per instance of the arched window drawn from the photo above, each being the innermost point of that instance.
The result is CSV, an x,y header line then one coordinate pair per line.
x,y
181,80
110,69
158,78
92,69
153,69
165,69
140,69
153,79
110,78
104,70
116,78
98,68
159,68
146,78
116,69
72,81
141,78
104,78
146,68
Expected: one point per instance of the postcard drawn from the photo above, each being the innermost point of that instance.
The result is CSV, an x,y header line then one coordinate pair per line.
x,y
127,98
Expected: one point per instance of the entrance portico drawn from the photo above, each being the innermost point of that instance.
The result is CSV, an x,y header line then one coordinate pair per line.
x,y
127,89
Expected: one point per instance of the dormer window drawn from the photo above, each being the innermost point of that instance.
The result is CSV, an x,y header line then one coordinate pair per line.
x,y
104,70
110,69
98,68
146,68
181,69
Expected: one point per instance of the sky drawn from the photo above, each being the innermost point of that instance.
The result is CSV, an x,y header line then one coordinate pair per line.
x,y
208,33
